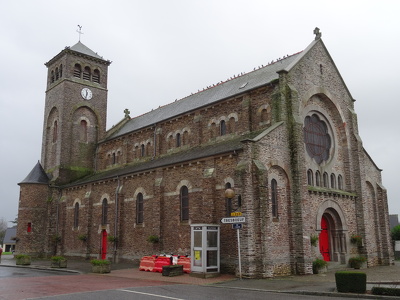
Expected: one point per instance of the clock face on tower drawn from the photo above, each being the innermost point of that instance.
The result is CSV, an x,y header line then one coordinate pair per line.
x,y
86,94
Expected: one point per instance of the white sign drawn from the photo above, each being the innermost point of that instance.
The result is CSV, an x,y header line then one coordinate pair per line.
x,y
232,220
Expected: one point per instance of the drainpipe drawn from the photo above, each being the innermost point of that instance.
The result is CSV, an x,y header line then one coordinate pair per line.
x,y
155,141
116,220
57,215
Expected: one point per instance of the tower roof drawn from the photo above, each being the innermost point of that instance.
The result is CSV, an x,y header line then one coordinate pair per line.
x,y
81,48
37,175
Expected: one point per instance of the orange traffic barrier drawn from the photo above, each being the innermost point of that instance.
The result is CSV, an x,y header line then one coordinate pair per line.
x,y
160,262
147,263
185,262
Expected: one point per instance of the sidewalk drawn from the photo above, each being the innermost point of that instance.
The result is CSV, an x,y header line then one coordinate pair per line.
x,y
318,284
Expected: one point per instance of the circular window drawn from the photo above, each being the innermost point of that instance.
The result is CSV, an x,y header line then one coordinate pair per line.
x,y
317,139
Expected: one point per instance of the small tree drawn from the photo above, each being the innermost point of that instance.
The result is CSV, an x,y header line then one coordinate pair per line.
x,y
396,233
3,228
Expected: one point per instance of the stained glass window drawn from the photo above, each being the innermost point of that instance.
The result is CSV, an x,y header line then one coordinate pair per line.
x,y
317,139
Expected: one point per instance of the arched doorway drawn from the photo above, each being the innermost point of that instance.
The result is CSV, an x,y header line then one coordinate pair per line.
x,y
104,244
332,228
324,239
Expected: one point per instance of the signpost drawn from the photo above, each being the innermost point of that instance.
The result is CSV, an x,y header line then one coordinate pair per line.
x,y
232,220
237,221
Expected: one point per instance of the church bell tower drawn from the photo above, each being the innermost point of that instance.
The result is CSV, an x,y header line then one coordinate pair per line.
x,y
75,112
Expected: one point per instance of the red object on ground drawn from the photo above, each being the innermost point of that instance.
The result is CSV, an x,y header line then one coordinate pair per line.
x,y
147,263
185,262
160,262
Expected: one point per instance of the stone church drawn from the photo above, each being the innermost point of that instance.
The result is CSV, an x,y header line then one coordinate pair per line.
x,y
278,146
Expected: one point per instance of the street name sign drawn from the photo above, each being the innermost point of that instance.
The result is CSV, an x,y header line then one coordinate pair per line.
x,y
232,220
237,226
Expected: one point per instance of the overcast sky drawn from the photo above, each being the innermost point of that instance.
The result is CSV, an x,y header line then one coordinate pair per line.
x,y
165,50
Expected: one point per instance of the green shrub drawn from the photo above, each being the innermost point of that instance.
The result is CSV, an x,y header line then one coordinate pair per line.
x,y
318,264
112,238
21,256
356,239
314,240
357,261
395,233
100,262
153,239
82,237
57,258
377,290
351,282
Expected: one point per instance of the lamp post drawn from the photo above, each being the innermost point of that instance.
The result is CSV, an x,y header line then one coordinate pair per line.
x,y
230,194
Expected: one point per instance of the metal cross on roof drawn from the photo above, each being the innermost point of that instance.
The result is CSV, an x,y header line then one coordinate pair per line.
x,y
79,31
317,33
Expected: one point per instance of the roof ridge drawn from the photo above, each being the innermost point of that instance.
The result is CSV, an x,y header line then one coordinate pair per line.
x,y
222,82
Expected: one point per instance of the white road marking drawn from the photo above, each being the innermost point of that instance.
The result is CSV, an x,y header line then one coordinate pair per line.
x,y
148,294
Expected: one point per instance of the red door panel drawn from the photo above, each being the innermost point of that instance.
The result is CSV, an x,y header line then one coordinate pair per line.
x,y
324,240
104,245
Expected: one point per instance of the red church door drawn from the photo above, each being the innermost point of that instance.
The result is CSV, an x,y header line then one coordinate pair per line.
x,y
104,245
324,240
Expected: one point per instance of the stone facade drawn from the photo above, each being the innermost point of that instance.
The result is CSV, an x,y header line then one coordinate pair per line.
x,y
108,191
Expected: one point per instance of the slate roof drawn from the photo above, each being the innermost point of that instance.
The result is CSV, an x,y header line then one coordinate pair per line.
x,y
37,175
81,48
181,157
10,233
240,84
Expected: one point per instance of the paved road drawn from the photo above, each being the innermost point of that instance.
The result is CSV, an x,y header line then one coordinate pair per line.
x,y
184,292
10,272
26,283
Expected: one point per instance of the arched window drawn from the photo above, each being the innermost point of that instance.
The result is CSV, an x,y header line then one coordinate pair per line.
x,y
264,115
77,70
83,132
55,131
142,150
178,140
114,159
86,73
136,151
232,125
310,177
184,199
317,178
148,149
104,212
139,208
274,198
222,128
185,138
61,71
326,180
76,215
51,76
57,74
228,200
96,76
333,181
213,130
340,182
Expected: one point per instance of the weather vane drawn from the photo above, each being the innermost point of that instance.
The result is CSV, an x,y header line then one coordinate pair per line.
x,y
79,31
